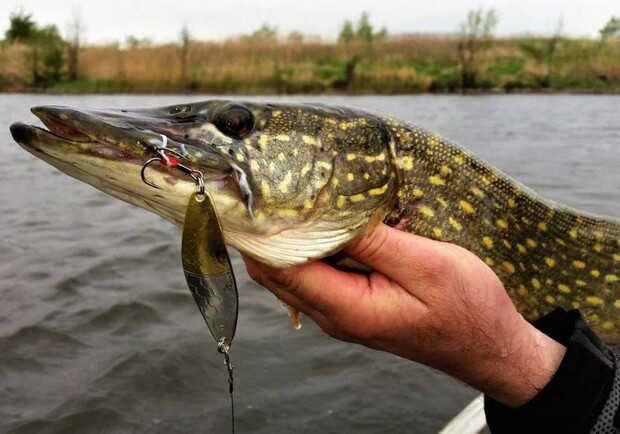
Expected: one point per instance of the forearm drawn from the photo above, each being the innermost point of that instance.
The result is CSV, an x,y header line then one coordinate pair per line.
x,y
580,395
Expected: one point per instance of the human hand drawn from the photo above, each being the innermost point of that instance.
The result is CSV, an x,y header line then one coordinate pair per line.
x,y
428,301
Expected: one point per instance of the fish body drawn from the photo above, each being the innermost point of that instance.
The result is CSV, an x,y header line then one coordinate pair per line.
x,y
296,182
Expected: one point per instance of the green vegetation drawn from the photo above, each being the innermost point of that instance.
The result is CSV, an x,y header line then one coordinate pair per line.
x,y
363,60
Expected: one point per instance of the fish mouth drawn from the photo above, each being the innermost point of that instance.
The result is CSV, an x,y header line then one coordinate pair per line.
x,y
108,148
132,136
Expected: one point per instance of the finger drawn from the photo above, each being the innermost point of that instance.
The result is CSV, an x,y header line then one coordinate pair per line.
x,y
316,285
404,257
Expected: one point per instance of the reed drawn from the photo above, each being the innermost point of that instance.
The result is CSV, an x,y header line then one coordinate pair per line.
x,y
402,64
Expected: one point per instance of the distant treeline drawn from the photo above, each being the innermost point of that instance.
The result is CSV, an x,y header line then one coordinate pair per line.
x,y
362,60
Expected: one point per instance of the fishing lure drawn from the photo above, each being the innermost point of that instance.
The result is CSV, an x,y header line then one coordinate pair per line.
x,y
206,264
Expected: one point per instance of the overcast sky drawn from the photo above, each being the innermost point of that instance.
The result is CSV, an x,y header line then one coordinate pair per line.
x,y
161,20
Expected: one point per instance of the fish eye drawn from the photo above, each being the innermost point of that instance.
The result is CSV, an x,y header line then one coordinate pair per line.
x,y
234,120
179,109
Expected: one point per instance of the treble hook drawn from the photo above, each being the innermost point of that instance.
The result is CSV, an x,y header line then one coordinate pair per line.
x,y
172,162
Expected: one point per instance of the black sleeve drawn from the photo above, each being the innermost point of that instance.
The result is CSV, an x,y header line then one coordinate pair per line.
x,y
582,396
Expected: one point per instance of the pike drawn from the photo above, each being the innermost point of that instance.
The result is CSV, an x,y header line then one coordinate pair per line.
x,y
294,183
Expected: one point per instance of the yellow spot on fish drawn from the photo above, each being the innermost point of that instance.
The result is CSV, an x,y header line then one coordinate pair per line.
x,y
370,158
598,247
272,167
564,288
521,248
240,157
263,140
381,157
550,262
437,232
501,223
286,182
467,207
281,156
522,290
335,181
459,159
341,201
575,304
507,244
323,165
509,267
283,137
427,211
512,203
579,264
259,216
378,191
442,202
351,157
305,169
489,262
417,192
616,257
536,283
350,177
436,180
580,282
488,242
543,226
308,204
595,273
594,301
617,304
455,224
357,198
265,190
611,278
287,212
445,170
550,299
572,233
608,325
366,175
477,192
560,241
530,243
308,140
254,165
406,163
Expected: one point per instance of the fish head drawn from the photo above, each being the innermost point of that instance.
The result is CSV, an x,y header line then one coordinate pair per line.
x,y
291,182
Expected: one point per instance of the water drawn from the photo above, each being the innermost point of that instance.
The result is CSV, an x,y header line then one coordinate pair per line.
x,y
98,332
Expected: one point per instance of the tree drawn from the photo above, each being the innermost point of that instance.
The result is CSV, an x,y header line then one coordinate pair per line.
x,y
363,31
476,37
74,42
346,33
21,28
265,33
184,51
543,52
611,29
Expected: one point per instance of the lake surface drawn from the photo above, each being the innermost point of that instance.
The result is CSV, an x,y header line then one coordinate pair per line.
x,y
98,332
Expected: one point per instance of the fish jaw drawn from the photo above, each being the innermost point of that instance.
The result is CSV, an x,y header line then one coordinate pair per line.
x,y
289,191
107,150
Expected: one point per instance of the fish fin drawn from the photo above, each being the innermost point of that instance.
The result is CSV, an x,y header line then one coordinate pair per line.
x,y
292,313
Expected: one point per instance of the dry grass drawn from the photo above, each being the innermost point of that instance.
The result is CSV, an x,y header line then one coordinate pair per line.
x,y
400,64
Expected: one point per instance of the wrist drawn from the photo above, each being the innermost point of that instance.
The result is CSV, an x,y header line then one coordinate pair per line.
x,y
524,367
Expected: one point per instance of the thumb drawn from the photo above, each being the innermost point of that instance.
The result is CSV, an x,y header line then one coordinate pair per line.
x,y
399,255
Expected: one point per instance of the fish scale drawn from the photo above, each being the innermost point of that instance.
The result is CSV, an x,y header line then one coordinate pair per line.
x,y
297,182
546,255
